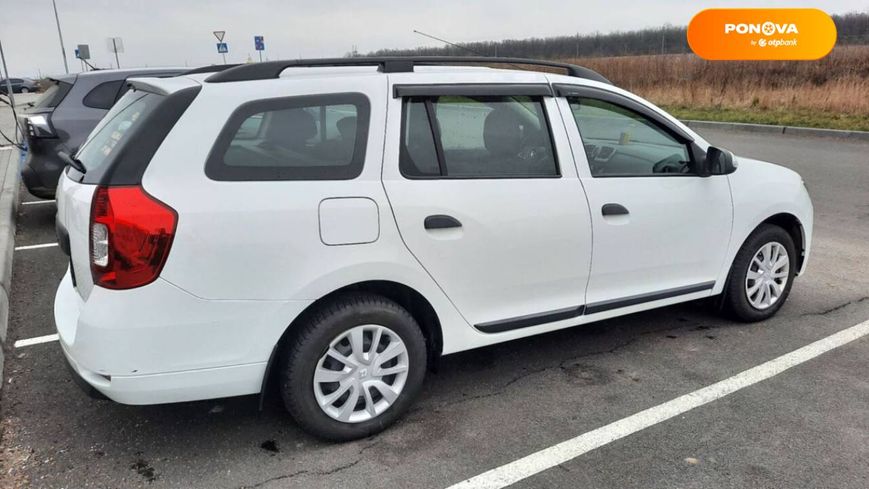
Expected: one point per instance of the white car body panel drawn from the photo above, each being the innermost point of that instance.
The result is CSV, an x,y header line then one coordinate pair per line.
x,y
249,256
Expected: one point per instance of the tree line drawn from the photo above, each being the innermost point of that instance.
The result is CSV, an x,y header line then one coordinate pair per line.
x,y
853,28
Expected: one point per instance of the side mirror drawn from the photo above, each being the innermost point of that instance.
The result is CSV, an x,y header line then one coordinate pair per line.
x,y
716,161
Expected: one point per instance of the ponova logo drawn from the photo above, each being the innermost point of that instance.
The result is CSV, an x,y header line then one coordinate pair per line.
x,y
767,28
745,34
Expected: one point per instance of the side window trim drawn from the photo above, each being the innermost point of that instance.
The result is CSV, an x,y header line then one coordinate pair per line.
x,y
436,136
435,129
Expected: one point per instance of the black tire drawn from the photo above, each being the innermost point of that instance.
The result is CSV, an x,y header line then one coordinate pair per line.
x,y
310,342
25,90
736,301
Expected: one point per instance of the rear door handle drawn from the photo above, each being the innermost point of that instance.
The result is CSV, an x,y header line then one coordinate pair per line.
x,y
614,210
441,221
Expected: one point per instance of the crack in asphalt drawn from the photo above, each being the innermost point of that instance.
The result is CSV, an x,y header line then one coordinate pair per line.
x,y
560,365
318,473
836,308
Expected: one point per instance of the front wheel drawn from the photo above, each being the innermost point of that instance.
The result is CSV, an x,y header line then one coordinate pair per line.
x,y
353,367
762,274
25,90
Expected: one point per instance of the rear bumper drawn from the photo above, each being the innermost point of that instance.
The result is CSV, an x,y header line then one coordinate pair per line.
x,y
158,344
191,385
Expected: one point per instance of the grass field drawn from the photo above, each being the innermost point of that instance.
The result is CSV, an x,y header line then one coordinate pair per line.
x,y
832,92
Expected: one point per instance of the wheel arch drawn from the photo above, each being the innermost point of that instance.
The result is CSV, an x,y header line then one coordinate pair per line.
x,y
416,304
794,228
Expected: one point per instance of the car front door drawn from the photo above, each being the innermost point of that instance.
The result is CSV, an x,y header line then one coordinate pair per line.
x,y
660,230
486,197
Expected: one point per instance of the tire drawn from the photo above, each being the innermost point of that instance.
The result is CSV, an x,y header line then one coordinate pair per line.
x,y
25,90
737,301
306,353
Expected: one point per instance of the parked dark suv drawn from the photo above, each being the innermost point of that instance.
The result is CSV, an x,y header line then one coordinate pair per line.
x,y
64,116
19,85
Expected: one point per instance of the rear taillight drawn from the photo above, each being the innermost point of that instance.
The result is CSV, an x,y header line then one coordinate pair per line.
x,y
130,236
38,126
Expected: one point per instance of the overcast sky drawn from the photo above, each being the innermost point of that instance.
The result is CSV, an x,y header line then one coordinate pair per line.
x,y
179,32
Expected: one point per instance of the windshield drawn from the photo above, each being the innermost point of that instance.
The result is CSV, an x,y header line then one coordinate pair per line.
x,y
116,128
53,95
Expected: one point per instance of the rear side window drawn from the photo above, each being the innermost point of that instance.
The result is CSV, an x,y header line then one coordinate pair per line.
x,y
115,130
319,137
476,137
103,95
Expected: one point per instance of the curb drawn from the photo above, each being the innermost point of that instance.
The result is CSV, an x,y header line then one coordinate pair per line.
x,y
8,212
856,136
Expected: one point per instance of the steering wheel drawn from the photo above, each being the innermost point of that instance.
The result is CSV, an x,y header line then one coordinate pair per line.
x,y
671,164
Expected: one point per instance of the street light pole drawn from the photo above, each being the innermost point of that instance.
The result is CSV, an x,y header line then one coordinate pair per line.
x,y
59,35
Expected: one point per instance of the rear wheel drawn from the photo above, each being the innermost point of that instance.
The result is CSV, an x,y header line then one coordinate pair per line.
x,y
354,366
762,274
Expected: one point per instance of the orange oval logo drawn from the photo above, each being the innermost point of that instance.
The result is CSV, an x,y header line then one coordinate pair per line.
x,y
761,33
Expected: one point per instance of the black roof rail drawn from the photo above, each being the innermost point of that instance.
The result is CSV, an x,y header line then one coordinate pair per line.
x,y
389,64
208,69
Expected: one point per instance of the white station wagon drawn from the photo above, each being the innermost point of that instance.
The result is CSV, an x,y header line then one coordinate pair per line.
x,y
329,228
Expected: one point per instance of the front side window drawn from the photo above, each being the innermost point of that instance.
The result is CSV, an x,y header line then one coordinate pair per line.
x,y
620,142
296,138
476,137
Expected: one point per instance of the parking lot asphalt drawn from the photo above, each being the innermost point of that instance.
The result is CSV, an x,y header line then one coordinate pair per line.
x,y
806,427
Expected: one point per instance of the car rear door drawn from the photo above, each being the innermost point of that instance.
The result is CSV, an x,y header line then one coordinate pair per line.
x,y
485,195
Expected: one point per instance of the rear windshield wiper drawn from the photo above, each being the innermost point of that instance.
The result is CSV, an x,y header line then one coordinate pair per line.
x,y
72,161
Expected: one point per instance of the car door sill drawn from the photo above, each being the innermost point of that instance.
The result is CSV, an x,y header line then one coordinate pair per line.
x,y
529,320
649,297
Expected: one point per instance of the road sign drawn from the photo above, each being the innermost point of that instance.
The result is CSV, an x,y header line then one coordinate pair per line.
x,y
259,43
222,48
115,45
83,51
219,35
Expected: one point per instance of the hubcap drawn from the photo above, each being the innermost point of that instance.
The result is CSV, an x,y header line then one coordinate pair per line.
x,y
767,275
361,374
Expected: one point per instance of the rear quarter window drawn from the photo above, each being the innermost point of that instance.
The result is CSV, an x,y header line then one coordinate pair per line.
x,y
103,95
318,137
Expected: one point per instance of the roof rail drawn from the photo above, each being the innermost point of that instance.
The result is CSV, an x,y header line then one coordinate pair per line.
x,y
389,64
208,69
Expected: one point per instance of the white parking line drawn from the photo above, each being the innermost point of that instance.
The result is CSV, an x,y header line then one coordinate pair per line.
x,y
7,148
37,340
37,202
35,247
547,458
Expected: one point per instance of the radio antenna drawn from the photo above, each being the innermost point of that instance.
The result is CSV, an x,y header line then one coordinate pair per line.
x,y
460,46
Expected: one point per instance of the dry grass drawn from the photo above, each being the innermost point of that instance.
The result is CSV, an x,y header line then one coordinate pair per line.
x,y
836,84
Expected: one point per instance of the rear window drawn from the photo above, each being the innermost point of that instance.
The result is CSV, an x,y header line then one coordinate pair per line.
x,y
53,95
115,130
320,137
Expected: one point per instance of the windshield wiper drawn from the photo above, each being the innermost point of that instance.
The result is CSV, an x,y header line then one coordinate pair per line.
x,y
72,161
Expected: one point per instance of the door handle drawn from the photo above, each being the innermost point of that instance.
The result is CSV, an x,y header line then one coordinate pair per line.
x,y
614,210
441,221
